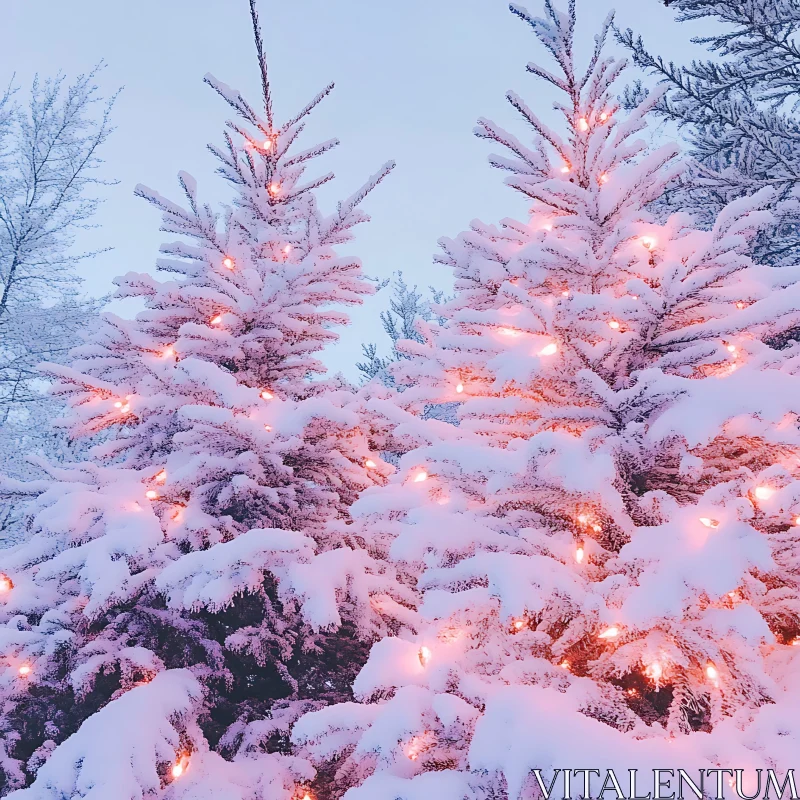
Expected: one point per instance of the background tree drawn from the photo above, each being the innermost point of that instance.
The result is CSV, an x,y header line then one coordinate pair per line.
x,y
606,546
48,171
736,111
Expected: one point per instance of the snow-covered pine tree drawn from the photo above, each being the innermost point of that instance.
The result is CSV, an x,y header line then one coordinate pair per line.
x,y
191,588
607,545
737,112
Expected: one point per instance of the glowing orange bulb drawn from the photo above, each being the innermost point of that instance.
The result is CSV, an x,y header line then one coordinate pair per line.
x,y
614,325
177,770
609,633
632,692
731,348
169,352
740,304
583,124
709,523
421,476
118,404
228,262
151,494
603,116
604,178
25,670
268,428
566,168
274,189
424,655
267,144
579,554
370,464
518,624
460,388
764,492
712,673
549,349
655,670
6,584
161,476
216,320
564,664
565,293
266,394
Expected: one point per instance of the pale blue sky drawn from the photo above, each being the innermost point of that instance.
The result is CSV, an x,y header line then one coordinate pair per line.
x,y
411,79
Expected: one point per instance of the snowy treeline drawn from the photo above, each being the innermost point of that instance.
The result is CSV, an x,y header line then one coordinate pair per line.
x,y
557,525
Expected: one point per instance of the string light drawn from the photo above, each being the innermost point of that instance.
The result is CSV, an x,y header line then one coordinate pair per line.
x,y
216,320
609,633
709,523
603,116
161,477
169,351
179,767
549,349
118,404
460,388
648,241
604,178
421,476
151,494
632,693
228,262
712,673
424,656
565,665
274,189
25,670
517,624
583,124
654,671
740,305
731,348
370,464
6,584
267,144
613,324
266,394
565,293
764,492
579,553
268,428
566,168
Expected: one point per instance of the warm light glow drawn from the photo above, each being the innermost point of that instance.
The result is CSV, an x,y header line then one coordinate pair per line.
x,y
795,642
764,492
267,144
370,464
420,476
216,320
424,655
632,693
712,673
169,351
508,332
177,513
579,553
709,523
268,428
161,476
566,168
151,494
731,348
518,624
797,520
460,388
565,293
547,226
654,671
583,519
415,747
549,349
614,325
125,409
604,178
228,262
564,664
609,633
740,304
287,249
6,584
266,394
648,241
583,124
177,770
603,116
274,189
118,404
25,670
